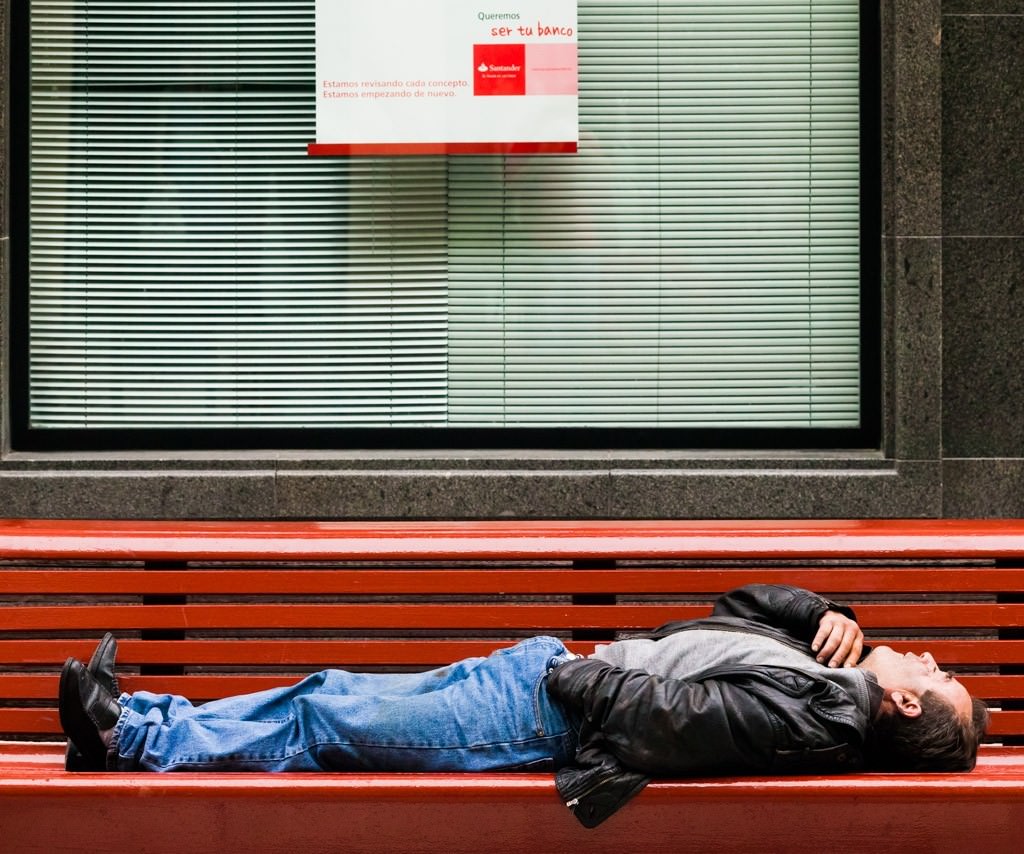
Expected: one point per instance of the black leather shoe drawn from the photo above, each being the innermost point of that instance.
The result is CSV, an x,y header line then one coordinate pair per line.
x,y
86,709
101,665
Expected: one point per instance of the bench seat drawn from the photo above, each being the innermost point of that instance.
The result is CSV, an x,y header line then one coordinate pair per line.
x,y
210,609
471,813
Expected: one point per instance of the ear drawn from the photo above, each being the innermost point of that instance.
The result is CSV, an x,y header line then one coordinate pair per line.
x,y
907,703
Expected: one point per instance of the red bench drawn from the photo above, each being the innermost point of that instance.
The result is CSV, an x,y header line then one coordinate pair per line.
x,y
209,609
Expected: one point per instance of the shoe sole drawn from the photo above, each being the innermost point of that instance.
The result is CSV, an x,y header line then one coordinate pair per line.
x,y
73,759
77,736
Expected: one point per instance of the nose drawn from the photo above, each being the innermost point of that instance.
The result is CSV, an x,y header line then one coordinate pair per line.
x,y
925,658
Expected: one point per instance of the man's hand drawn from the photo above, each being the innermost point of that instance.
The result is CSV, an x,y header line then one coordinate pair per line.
x,y
839,641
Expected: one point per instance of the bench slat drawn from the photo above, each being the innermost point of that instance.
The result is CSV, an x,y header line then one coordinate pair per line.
x,y
759,539
469,617
291,652
412,652
30,686
505,813
370,580
408,651
45,721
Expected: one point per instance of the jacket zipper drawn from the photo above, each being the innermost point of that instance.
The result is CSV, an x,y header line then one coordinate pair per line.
x,y
575,802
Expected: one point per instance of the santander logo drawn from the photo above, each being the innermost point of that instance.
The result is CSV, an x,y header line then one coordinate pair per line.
x,y
500,69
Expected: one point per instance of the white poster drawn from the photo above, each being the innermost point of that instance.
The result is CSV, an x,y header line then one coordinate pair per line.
x,y
446,77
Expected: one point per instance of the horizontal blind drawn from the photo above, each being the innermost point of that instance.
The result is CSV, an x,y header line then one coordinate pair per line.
x,y
190,265
697,265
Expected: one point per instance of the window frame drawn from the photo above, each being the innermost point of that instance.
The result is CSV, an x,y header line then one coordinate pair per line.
x,y
867,436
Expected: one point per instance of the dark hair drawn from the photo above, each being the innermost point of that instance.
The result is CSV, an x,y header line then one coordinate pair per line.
x,y
936,740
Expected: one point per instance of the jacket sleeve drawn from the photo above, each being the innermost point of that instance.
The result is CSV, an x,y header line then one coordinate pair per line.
x,y
793,609
666,727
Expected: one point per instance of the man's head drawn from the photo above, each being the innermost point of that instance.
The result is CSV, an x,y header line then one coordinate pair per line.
x,y
927,721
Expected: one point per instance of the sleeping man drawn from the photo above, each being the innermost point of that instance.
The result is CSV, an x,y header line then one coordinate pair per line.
x,y
776,681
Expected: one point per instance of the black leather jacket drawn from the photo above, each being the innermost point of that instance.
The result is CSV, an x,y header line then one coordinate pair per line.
x,y
755,720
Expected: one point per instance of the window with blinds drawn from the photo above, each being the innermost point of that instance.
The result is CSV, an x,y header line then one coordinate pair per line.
x,y
696,265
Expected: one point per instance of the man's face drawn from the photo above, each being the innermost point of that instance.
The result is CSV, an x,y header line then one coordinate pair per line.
x,y
916,674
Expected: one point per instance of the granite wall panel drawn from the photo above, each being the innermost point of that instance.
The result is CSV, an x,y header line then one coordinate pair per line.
x,y
154,494
983,125
913,116
983,7
983,347
983,246
912,489
5,41
983,488
916,329
466,494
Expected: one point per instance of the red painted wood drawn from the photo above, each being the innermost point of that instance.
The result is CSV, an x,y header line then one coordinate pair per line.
x,y
322,653
500,813
340,616
368,581
43,721
994,687
961,652
412,652
485,616
169,540
34,686
29,758
34,720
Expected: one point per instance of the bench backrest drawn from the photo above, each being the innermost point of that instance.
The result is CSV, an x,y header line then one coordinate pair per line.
x,y
211,609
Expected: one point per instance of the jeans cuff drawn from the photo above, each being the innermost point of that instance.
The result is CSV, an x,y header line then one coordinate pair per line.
x,y
115,739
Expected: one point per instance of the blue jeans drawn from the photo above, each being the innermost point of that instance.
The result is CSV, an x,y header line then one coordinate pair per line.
x,y
479,714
